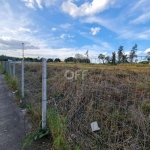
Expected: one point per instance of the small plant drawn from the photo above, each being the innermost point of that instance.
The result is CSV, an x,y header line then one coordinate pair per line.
x,y
77,148
58,95
57,126
2,69
11,81
37,134
146,108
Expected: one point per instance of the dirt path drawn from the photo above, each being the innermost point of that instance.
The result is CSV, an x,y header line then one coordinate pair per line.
x,y
12,127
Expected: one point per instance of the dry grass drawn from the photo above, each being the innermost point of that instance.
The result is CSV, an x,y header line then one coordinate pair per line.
x,y
117,97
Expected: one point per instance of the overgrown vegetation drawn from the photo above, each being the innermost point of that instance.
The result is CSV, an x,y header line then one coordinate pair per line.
x,y
117,98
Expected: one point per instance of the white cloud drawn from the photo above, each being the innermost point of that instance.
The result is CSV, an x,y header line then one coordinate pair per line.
x,y
65,26
39,3
140,5
107,23
29,3
50,2
54,29
33,3
86,8
142,19
124,31
95,30
147,50
8,43
24,30
139,52
143,35
62,36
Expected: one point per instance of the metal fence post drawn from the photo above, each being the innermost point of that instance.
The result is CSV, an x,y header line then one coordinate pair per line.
x,y
14,69
22,79
44,93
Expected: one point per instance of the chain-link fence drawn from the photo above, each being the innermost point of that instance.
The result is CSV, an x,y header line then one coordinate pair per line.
x,y
107,107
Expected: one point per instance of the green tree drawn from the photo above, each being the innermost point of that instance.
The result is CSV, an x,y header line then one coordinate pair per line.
x,y
120,54
102,57
108,59
132,54
124,58
114,58
69,59
50,60
57,60
148,57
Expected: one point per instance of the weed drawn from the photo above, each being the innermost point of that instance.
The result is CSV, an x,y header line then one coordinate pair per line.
x,y
146,108
58,95
77,148
57,126
37,134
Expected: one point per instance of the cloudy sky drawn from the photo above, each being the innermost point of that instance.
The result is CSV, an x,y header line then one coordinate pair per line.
x,y
62,28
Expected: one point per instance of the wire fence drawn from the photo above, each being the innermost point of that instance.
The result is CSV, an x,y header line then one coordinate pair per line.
x,y
106,107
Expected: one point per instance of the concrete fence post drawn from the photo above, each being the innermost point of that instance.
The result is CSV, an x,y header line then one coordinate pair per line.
x,y
44,93
5,65
9,68
22,79
14,69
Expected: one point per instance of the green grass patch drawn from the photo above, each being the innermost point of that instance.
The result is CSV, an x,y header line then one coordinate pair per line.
x,y
57,126
146,108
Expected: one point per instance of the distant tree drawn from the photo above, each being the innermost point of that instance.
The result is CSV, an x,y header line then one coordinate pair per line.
x,y
28,59
114,58
50,60
57,60
79,56
148,57
136,60
35,60
124,58
132,54
108,59
102,57
3,58
87,54
120,54
69,59
40,60
85,60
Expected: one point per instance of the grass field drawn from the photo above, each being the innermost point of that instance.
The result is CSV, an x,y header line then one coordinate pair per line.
x,y
117,97
134,67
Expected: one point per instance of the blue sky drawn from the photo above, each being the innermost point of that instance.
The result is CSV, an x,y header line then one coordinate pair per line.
x,y
62,28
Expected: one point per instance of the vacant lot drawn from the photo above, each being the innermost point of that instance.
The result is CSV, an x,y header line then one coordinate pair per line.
x,y
117,97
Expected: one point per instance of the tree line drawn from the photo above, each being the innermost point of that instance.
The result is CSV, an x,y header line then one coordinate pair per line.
x,y
116,58
121,57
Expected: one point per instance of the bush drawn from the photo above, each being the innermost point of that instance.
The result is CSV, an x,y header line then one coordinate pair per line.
x,y
50,60
57,60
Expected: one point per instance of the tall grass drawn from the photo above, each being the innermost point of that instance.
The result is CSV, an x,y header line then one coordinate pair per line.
x,y
57,126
